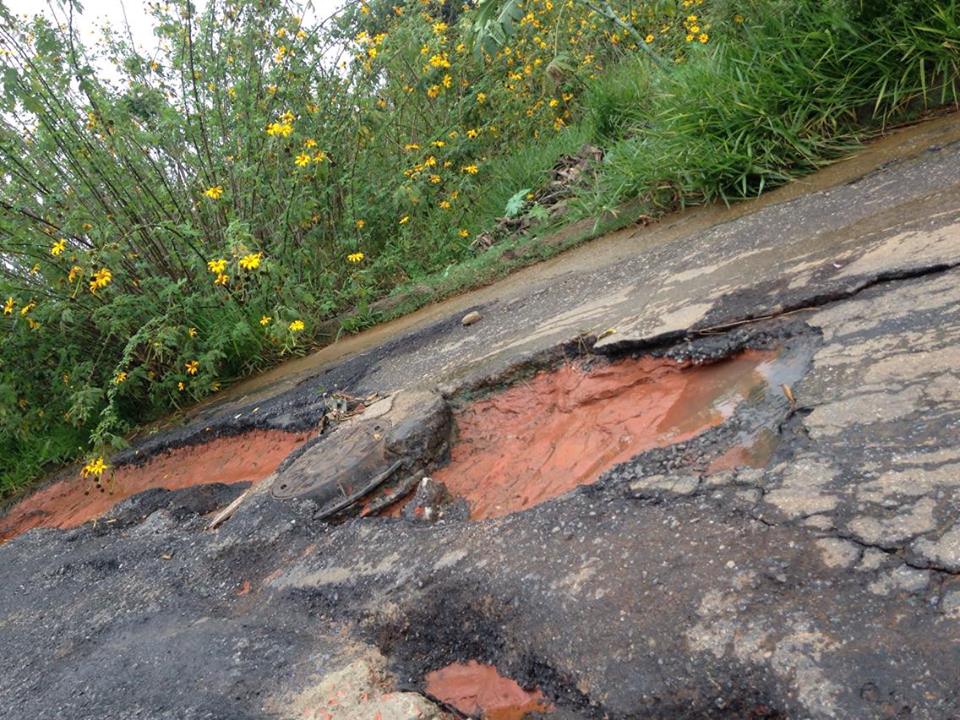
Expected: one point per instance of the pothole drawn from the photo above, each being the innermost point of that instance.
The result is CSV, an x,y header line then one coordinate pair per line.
x,y
73,501
478,690
545,436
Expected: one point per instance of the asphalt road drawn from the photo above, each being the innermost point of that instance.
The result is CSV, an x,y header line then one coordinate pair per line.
x,y
825,584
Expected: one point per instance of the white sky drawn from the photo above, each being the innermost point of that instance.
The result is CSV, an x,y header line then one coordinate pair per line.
x,y
97,12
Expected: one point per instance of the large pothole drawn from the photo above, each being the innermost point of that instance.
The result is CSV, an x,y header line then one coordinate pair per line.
x,y
545,435
561,429
74,500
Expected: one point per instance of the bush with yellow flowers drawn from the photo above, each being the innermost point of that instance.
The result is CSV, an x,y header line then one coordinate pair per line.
x,y
175,220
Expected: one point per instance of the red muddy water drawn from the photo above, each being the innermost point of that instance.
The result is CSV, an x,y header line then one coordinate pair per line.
x,y
480,691
543,437
75,500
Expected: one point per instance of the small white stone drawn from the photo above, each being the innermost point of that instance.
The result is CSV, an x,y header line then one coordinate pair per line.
x,y
470,318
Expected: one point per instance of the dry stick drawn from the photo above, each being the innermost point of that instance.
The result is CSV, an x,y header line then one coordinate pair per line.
x,y
75,166
196,93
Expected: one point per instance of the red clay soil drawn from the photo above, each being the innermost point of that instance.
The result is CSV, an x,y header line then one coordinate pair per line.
x,y
75,500
544,437
479,690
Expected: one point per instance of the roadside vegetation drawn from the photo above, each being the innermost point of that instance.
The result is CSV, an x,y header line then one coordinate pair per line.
x,y
171,222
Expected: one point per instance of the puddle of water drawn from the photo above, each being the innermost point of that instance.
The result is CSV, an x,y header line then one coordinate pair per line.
x,y
480,691
541,438
755,452
75,500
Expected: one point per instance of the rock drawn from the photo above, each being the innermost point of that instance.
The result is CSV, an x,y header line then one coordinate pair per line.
x,y
393,439
359,691
470,318
433,501
655,485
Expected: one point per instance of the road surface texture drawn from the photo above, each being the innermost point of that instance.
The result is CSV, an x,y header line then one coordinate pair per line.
x,y
820,581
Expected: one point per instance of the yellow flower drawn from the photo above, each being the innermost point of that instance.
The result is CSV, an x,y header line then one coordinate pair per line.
x,y
433,91
439,61
58,247
296,326
447,81
411,146
364,9
360,224
217,266
649,38
464,233
264,319
95,467
439,143
309,143
470,169
430,161
74,273
320,156
481,98
191,366
355,257
180,386
251,261
214,193
444,204
281,53
404,220
471,133
192,332
281,129
221,279
439,27
302,159
436,179
101,278
553,102
703,38
8,306
27,308
119,378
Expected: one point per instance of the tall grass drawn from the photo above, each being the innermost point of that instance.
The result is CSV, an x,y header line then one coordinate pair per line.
x,y
798,84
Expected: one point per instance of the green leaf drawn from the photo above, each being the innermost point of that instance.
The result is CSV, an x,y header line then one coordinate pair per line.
x,y
516,202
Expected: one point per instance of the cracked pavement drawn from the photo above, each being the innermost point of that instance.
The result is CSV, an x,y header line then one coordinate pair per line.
x,y
825,584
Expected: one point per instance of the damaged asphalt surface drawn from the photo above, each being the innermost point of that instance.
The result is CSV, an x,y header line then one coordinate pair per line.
x,y
823,585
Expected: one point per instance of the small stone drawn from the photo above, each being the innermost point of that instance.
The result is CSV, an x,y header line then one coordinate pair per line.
x,y
663,484
950,605
470,318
